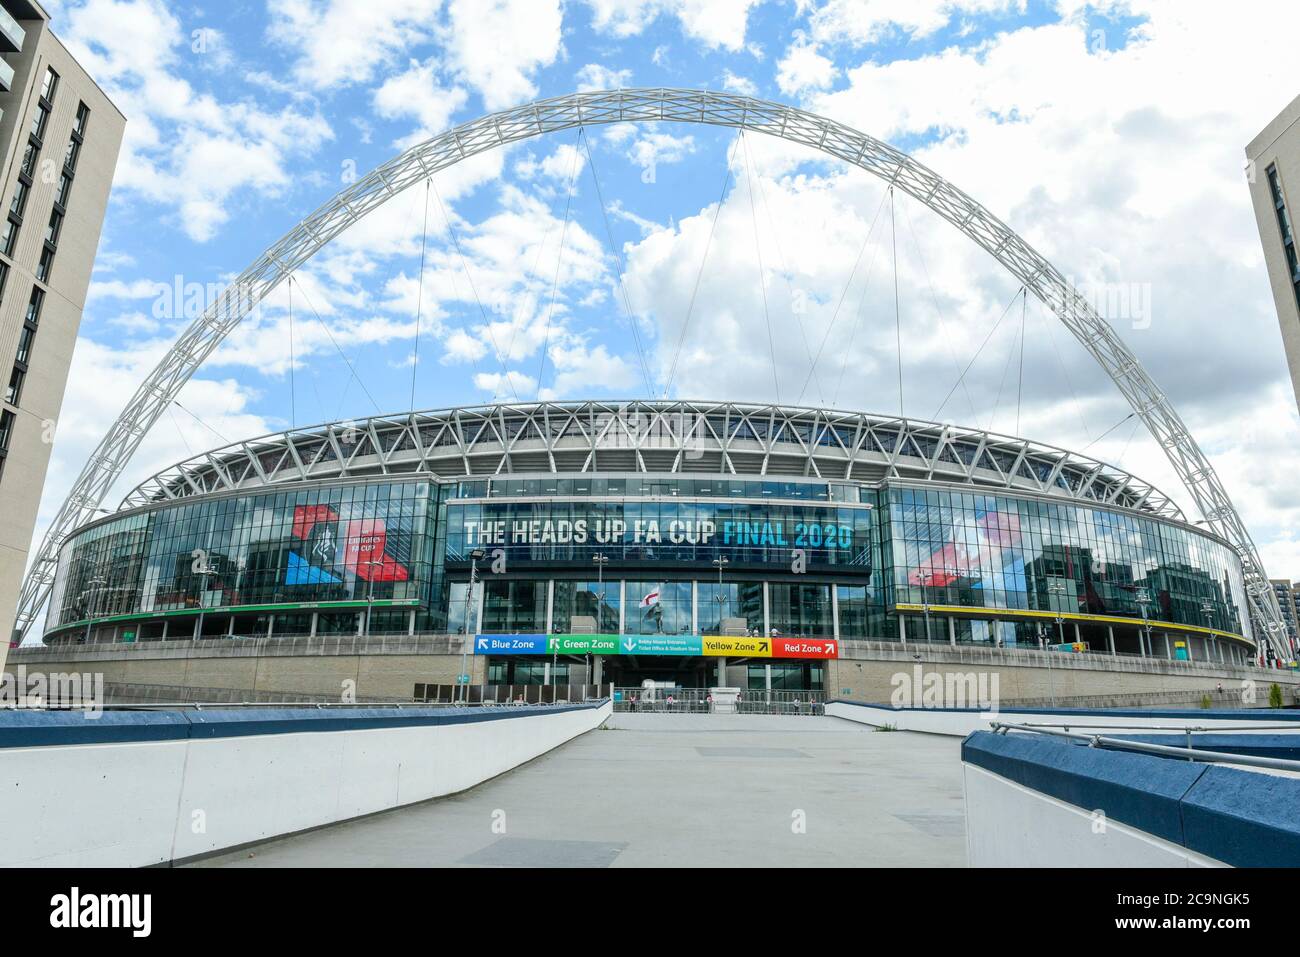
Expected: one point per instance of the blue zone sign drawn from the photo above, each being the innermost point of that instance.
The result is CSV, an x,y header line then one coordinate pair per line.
x,y
509,644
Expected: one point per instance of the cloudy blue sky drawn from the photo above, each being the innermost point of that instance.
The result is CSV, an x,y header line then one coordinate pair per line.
x,y
1110,135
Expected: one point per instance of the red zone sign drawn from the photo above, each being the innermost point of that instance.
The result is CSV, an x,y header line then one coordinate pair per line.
x,y
805,648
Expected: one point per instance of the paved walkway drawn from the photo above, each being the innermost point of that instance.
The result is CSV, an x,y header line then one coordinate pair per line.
x,y
677,790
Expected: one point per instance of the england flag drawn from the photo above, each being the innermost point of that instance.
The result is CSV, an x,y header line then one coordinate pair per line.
x,y
651,599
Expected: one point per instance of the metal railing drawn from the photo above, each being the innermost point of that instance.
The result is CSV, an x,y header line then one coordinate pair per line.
x,y
698,701
1187,752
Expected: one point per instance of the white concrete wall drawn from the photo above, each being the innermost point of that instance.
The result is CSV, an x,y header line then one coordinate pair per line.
x,y
1009,825
962,723
129,805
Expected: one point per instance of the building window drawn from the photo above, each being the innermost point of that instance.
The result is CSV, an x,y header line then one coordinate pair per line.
x,y
83,117
49,85
1284,226
45,265
33,315
52,230
39,119
14,391
7,420
29,158
9,238
19,202
65,188
70,158
25,344
4,277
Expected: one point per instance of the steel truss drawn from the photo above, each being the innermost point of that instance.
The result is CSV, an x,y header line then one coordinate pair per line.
x,y
595,108
665,436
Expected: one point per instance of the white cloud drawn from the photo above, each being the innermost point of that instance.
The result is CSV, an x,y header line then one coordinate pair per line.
x,y
419,94
594,76
183,149
496,46
803,68
715,23
870,21
344,42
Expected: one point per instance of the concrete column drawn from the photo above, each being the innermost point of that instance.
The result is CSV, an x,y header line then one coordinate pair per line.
x,y
1110,638
767,612
410,622
230,631
622,605
767,675
722,672
695,608
1078,635
315,618
902,629
952,631
1190,656
1169,651
597,669
550,606
1142,643
835,611
270,625
546,671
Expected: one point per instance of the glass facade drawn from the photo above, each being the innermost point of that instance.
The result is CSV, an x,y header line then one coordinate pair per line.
x,y
360,544
798,558
950,548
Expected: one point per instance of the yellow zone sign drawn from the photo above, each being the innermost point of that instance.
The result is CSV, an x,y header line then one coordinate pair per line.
x,y
749,647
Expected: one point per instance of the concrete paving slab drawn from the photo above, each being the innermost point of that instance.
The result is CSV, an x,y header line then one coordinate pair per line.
x,y
677,791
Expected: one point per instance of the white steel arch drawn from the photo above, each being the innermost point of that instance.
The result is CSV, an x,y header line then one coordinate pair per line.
x,y
594,108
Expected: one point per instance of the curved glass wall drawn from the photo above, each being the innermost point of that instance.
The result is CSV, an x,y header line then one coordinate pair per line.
x,y
1002,552
355,544
835,559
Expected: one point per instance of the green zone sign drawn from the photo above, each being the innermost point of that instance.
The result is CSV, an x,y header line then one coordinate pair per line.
x,y
582,644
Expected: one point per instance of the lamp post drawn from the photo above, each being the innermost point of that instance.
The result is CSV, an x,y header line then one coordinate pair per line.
x,y
1143,598
370,595
474,558
202,572
925,609
1058,588
600,559
722,562
93,587
1207,609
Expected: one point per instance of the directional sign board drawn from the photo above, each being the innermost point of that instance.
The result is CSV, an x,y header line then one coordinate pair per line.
x,y
660,645
805,648
509,644
737,647
684,645
583,644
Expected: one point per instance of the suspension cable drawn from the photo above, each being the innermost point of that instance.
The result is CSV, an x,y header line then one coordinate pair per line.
x,y
758,253
898,322
419,293
938,312
785,271
618,264
1020,381
987,337
342,354
293,396
708,243
464,265
843,293
559,259
1006,369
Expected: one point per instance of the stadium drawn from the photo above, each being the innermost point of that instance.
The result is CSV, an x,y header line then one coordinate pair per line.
x,y
692,542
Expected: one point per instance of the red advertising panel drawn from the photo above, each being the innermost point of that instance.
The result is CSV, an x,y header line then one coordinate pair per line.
x,y
805,648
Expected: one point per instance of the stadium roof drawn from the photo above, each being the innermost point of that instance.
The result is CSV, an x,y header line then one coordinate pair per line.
x,y
654,437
